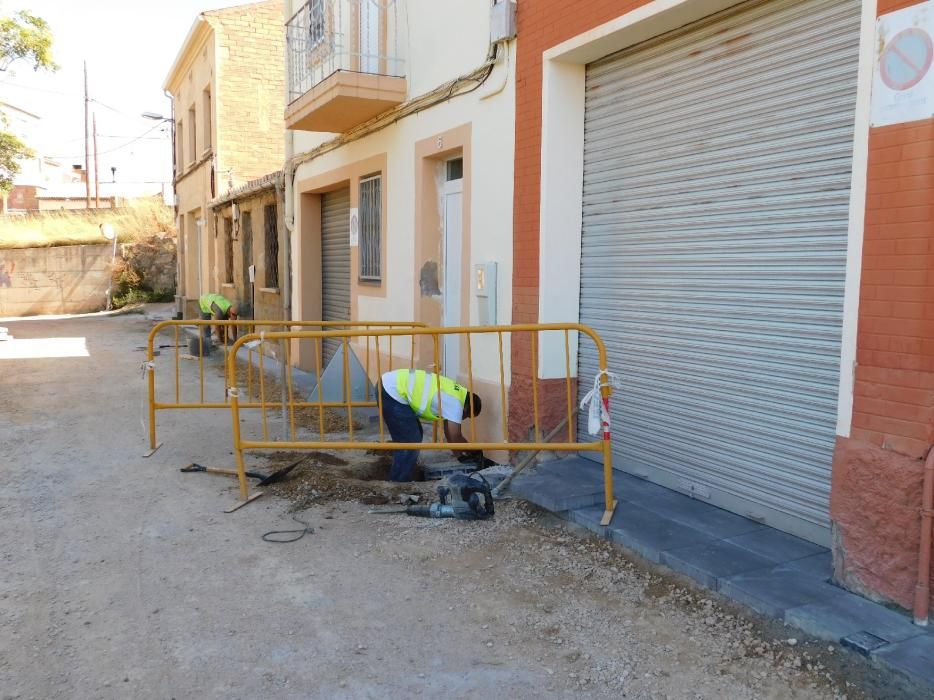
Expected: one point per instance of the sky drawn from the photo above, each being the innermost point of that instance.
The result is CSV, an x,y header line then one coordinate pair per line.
x,y
129,46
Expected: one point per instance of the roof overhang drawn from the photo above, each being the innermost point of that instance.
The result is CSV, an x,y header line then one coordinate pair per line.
x,y
197,37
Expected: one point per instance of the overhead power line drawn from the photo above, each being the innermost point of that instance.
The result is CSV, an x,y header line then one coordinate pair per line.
x,y
111,150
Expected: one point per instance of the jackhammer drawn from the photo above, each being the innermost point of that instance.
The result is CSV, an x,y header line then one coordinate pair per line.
x,y
463,496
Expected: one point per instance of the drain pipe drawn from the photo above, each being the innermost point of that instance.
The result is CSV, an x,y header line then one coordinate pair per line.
x,y
923,587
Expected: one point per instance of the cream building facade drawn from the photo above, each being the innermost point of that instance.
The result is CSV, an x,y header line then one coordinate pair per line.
x,y
227,88
399,173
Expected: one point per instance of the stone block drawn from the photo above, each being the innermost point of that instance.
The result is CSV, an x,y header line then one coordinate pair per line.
x,y
913,658
708,562
649,533
817,566
773,591
847,614
776,544
589,518
708,519
558,490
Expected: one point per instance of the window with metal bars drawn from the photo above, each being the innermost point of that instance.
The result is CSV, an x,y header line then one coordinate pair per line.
x,y
370,221
270,225
228,251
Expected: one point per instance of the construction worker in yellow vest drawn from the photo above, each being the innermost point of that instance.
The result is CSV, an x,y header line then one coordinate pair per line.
x,y
220,308
410,396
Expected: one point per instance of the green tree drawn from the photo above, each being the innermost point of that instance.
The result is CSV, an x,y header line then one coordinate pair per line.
x,y
23,37
11,151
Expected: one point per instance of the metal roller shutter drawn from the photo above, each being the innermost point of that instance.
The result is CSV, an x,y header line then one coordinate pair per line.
x,y
717,167
335,263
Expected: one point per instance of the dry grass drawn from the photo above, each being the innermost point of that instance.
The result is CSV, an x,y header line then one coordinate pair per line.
x,y
80,227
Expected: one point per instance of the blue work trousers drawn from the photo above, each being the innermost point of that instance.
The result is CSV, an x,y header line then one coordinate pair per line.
x,y
403,426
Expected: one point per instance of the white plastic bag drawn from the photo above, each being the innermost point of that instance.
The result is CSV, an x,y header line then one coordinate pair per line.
x,y
597,414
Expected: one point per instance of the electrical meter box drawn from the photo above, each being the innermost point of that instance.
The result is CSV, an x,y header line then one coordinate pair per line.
x,y
503,21
484,287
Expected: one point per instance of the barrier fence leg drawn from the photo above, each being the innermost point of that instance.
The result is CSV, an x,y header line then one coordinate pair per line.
x,y
609,501
245,496
151,379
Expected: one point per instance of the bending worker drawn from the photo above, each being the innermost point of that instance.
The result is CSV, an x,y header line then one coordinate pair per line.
x,y
219,308
410,396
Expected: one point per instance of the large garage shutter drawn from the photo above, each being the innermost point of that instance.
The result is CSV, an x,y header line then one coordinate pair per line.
x,y
335,262
716,190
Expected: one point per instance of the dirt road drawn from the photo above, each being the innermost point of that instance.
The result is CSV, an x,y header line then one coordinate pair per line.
x,y
121,577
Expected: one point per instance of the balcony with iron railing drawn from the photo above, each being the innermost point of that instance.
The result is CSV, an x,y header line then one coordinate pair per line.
x,y
343,63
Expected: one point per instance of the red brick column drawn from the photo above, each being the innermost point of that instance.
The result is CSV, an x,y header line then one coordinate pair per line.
x,y
876,488
541,25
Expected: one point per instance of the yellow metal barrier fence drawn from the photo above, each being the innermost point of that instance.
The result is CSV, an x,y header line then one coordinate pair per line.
x,y
434,336
250,326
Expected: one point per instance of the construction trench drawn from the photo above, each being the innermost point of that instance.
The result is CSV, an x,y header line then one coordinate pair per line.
x,y
124,578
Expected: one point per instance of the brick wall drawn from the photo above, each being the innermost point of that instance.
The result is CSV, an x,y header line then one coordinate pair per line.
x,y
250,100
542,24
894,402
876,489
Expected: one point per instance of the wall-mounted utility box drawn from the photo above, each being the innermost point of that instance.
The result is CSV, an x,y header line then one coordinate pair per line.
x,y
484,287
503,21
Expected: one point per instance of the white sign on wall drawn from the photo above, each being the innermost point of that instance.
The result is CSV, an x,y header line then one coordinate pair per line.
x,y
903,80
354,227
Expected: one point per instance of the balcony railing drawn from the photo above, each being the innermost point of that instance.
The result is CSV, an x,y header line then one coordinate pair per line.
x,y
326,36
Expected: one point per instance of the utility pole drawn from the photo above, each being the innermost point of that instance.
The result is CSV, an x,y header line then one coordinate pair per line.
x,y
87,157
97,181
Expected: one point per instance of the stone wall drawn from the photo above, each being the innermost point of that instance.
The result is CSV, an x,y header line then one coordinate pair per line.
x,y
65,279
875,507
151,263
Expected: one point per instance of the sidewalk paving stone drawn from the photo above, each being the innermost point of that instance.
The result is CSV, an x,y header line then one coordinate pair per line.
x,y
650,533
913,658
847,614
776,545
773,591
708,562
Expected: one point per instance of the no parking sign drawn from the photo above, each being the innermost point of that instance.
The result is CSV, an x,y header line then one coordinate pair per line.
x,y
903,84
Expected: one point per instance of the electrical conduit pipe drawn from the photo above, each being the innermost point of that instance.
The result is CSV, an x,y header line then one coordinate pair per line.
x,y
923,587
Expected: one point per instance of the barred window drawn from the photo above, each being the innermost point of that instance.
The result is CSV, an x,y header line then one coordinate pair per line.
x,y
228,250
271,227
370,213
246,245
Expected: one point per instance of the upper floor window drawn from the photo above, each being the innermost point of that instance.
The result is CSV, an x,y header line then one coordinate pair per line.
x,y
206,118
370,223
192,136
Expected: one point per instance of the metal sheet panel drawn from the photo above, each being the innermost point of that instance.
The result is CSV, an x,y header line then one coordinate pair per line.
x,y
717,167
335,262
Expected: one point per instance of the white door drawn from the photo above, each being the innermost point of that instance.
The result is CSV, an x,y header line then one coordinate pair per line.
x,y
453,239
369,36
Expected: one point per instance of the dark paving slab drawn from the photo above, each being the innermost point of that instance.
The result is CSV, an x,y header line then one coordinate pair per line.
x,y
817,566
704,517
848,614
629,488
589,518
773,591
562,485
708,562
776,545
649,533
913,657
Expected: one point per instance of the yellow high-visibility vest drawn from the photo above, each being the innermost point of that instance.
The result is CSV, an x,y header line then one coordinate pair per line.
x,y
205,301
420,392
